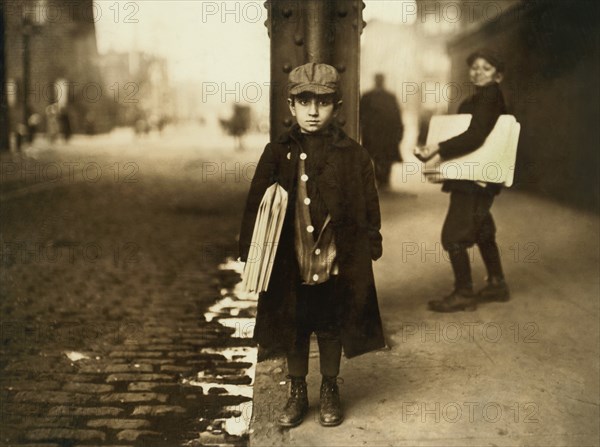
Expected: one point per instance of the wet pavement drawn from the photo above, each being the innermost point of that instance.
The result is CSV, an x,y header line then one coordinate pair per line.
x,y
121,322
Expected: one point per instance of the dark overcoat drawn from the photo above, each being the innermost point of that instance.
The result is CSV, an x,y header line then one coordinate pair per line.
x,y
381,125
347,186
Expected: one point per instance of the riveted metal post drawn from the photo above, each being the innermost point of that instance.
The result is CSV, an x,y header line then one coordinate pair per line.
x,y
317,28
323,31
346,30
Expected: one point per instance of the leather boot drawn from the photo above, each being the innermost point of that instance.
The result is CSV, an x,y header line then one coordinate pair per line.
x,y
495,290
330,410
459,299
297,405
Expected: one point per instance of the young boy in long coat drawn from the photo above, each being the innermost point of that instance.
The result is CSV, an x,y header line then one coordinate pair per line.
x,y
322,279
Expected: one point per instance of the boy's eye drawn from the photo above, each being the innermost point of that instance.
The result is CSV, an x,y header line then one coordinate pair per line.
x,y
304,102
325,102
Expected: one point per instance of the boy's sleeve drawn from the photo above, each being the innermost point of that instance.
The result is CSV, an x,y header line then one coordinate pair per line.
x,y
373,212
484,119
264,177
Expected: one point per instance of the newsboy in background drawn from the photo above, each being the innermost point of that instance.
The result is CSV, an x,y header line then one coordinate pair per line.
x,y
469,220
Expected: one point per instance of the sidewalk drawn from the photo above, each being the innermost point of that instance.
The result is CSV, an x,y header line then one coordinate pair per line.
x,y
523,373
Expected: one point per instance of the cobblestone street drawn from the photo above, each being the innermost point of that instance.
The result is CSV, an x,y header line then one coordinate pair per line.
x,y
110,255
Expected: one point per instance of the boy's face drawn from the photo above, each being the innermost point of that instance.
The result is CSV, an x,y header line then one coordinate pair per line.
x,y
314,112
483,73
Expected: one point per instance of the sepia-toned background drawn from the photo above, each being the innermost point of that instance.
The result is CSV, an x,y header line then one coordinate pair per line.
x,y
130,132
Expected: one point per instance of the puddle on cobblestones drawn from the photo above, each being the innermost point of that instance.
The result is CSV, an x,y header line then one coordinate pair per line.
x,y
76,356
235,310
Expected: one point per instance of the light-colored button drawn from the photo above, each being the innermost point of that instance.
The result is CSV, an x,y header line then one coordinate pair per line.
x,y
315,277
304,177
307,201
310,228
302,156
318,251
289,155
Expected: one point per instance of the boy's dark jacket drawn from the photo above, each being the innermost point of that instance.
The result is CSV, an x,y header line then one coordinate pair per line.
x,y
346,183
485,106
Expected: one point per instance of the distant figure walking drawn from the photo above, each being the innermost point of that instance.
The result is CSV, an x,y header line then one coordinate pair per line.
x,y
52,123
65,123
381,129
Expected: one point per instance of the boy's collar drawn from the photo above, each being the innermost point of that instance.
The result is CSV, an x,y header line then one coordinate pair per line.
x,y
486,86
339,137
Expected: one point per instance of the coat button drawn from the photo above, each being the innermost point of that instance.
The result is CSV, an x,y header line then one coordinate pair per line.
x,y
315,277
318,251
307,201
304,177
310,228
289,155
302,156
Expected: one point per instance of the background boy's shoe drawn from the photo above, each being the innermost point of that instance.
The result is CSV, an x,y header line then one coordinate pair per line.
x,y
330,410
297,405
458,300
495,290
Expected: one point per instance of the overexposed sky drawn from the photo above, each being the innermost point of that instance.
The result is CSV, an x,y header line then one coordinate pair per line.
x,y
203,40
395,12
214,41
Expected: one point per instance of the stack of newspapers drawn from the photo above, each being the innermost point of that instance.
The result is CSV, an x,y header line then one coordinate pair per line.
x,y
493,162
265,239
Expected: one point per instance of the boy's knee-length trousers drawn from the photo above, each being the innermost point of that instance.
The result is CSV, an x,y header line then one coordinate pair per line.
x,y
468,222
317,311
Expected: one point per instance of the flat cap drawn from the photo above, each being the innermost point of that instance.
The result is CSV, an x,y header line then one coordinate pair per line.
x,y
320,79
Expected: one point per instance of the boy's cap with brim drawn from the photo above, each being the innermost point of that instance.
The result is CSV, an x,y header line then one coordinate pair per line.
x,y
489,55
320,79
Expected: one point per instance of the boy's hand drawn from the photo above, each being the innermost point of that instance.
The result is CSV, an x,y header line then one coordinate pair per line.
x,y
425,153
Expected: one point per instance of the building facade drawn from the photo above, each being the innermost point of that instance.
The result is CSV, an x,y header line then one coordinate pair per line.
x,y
52,58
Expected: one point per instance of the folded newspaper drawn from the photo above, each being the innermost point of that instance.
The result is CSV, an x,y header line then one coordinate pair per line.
x,y
265,238
493,162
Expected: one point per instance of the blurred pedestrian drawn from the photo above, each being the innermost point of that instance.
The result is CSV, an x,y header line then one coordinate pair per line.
x,y
469,220
90,123
65,123
381,129
141,124
52,124
322,279
33,124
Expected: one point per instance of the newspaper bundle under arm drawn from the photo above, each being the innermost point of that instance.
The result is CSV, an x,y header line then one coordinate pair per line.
x,y
493,162
265,239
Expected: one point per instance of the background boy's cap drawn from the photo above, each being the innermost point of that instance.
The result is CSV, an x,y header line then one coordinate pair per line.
x,y
321,79
489,55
